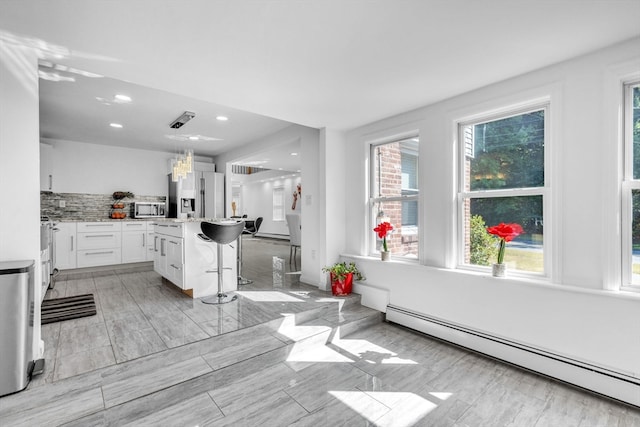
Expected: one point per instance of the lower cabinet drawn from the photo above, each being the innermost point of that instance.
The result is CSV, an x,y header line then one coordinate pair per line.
x,y
65,246
134,241
91,244
100,247
175,261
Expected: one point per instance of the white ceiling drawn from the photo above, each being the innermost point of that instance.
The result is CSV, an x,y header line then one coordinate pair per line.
x,y
335,63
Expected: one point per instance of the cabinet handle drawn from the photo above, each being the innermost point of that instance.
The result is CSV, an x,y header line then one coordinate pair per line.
x,y
50,182
71,243
98,235
98,253
144,240
171,241
155,243
177,268
98,225
162,253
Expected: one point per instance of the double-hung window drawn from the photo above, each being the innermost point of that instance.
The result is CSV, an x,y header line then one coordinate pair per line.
x,y
278,204
631,189
502,167
394,195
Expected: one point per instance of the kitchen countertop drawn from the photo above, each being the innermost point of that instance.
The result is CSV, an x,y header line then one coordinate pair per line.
x,y
180,220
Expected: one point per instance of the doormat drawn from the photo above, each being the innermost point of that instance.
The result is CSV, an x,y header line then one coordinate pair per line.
x,y
58,309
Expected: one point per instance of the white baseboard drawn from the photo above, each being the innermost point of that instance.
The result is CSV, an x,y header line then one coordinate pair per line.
x,y
595,378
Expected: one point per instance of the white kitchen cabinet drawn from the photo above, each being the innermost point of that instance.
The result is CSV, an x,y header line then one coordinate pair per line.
x,y
160,254
46,167
150,244
190,262
99,243
134,241
65,246
175,261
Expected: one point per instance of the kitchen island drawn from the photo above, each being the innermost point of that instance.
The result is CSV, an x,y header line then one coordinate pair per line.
x,y
188,261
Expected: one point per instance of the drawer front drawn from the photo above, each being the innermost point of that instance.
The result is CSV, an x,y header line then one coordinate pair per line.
x,y
99,240
170,229
134,226
84,227
95,257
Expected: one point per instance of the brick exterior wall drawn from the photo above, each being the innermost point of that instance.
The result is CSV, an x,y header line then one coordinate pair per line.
x,y
390,165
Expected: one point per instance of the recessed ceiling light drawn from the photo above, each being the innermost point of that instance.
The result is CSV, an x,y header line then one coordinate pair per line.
x,y
115,125
294,154
222,118
193,138
122,98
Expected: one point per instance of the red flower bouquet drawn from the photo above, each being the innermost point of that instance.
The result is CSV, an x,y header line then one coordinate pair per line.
x,y
382,229
506,233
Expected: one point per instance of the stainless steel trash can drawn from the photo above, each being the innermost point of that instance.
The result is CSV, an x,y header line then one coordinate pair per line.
x,y
16,325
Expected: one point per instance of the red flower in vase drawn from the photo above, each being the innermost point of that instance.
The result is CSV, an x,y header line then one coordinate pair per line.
x,y
382,229
506,233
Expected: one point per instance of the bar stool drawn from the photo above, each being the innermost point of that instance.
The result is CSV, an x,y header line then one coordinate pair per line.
x,y
222,234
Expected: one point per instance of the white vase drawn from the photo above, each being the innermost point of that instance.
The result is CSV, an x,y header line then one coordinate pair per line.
x,y
384,255
498,270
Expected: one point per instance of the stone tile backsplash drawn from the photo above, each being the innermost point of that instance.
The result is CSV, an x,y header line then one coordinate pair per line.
x,y
86,207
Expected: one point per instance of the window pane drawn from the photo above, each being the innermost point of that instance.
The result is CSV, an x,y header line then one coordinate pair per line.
x,y
524,252
505,153
636,131
278,204
395,169
635,238
403,240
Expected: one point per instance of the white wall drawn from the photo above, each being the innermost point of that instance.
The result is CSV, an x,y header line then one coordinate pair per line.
x,y
19,165
571,313
312,202
257,200
83,167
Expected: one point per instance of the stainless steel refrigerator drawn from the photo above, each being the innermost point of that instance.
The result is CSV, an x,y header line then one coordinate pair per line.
x,y
209,201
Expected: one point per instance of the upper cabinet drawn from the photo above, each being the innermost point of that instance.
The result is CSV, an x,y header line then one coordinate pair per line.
x,y
46,167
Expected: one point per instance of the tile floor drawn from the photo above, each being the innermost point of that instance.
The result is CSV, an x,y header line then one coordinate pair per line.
x,y
283,354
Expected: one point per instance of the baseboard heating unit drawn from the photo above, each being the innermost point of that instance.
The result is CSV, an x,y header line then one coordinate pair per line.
x,y
592,377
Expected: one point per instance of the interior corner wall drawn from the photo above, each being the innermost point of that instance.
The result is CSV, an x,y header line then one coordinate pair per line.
x,y
19,169
572,315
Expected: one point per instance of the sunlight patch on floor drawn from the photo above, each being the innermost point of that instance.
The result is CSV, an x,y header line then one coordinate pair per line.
x,y
404,409
370,352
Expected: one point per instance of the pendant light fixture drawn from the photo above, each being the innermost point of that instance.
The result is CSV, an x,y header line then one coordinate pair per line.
x,y
183,164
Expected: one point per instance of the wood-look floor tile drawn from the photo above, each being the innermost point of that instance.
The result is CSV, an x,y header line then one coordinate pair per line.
x,y
176,329
198,411
79,287
144,383
248,390
83,361
76,337
51,409
239,350
275,409
130,344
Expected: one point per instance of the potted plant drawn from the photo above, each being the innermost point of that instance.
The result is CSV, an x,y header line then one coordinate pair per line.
x,y
506,233
342,275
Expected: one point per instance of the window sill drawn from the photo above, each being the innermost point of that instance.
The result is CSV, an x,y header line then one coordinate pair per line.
x,y
486,275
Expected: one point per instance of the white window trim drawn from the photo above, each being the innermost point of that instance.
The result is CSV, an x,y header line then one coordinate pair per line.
x,y
371,241
282,207
544,191
628,185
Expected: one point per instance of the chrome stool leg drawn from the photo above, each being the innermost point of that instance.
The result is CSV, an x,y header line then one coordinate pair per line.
x,y
220,297
241,280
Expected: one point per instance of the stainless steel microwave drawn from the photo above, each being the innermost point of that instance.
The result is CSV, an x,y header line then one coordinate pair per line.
x,y
148,210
